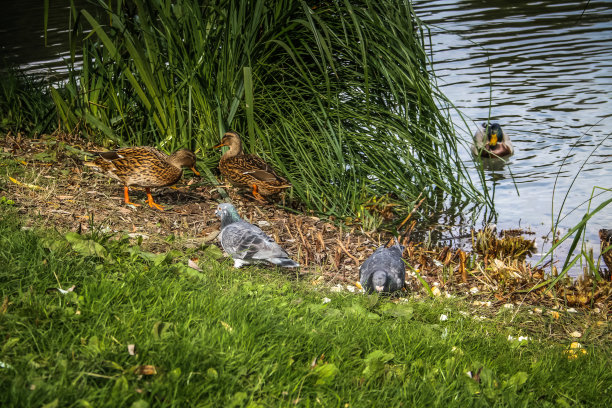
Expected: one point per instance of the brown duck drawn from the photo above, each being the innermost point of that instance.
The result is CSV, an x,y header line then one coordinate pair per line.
x,y
248,170
144,166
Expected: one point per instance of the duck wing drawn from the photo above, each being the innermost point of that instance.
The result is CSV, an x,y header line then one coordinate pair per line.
x,y
143,166
254,166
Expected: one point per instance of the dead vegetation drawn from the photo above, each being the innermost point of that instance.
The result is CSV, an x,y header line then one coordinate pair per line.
x,y
47,182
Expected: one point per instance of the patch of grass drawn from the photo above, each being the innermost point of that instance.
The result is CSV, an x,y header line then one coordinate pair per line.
x,y
255,337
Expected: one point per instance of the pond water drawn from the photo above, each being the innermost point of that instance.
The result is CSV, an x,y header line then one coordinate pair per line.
x,y
22,36
543,68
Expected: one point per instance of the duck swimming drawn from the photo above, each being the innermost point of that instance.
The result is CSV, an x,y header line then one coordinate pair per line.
x,y
496,143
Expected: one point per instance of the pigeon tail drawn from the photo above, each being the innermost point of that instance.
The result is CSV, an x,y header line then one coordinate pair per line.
x,y
284,262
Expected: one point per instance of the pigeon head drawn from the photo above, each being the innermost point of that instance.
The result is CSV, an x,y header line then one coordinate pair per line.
x,y
227,213
379,281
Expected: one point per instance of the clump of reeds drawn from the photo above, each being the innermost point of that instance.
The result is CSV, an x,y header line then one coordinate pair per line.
x,y
338,96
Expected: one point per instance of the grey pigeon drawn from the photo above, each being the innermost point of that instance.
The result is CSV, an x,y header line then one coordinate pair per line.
x,y
384,271
247,243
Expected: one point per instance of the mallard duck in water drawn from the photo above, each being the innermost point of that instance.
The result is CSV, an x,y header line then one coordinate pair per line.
x,y
249,170
144,166
496,143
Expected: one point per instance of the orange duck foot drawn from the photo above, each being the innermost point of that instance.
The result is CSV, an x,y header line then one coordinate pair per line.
x,y
151,202
258,196
126,197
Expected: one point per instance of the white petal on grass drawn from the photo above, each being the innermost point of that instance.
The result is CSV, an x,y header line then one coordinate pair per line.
x,y
443,317
5,365
63,292
192,264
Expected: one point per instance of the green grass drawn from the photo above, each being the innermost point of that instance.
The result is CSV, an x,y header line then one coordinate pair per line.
x,y
226,337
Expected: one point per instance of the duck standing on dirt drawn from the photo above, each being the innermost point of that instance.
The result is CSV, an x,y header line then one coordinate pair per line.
x,y
491,141
144,166
384,271
248,170
247,243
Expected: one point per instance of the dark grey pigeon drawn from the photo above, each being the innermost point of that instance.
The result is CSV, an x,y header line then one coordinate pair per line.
x,y
384,271
247,243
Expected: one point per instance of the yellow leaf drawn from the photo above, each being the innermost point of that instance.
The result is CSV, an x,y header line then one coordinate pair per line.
x,y
19,183
145,370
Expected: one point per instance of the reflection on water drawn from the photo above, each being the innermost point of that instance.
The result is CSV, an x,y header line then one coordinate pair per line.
x,y
544,70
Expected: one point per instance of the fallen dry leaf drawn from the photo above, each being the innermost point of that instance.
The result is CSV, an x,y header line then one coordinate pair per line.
x,y
226,326
19,183
145,370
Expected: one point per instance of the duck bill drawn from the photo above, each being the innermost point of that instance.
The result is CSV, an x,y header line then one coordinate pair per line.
x,y
197,173
493,140
219,145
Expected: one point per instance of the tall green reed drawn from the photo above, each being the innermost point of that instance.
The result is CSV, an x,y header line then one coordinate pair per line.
x,y
339,96
25,105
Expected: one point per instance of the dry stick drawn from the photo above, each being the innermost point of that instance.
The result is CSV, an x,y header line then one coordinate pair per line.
x,y
347,252
409,230
306,246
320,237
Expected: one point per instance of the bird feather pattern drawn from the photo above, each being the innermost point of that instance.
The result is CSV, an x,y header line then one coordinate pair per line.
x,y
247,243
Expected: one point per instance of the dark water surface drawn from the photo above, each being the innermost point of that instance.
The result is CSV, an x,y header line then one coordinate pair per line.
x,y
22,42
543,68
